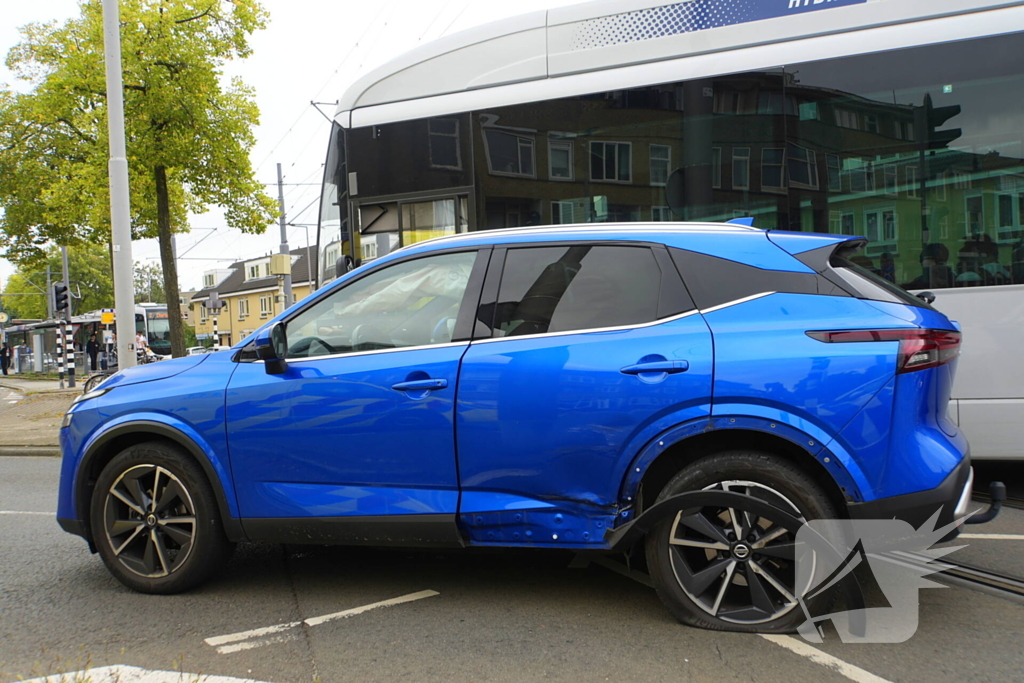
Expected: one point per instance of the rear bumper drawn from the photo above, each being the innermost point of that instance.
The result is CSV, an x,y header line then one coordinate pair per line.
x,y
952,498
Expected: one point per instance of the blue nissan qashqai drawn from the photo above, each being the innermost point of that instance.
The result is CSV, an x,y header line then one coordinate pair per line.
x,y
541,387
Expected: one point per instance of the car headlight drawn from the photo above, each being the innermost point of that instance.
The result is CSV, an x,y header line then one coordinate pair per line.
x,y
95,393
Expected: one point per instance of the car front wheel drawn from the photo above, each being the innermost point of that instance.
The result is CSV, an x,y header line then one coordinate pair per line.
x,y
155,520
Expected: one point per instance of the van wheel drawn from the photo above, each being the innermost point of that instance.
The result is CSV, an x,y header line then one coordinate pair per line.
x,y
155,520
728,569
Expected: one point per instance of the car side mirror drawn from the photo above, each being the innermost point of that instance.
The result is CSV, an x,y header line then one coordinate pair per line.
x,y
344,264
927,297
272,347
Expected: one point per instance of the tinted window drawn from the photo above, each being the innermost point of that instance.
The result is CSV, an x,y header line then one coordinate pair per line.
x,y
560,289
919,150
413,303
714,281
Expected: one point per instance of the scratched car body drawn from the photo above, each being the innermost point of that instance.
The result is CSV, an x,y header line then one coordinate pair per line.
x,y
544,388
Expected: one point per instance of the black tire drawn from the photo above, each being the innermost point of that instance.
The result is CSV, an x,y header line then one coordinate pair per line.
x,y
139,515
734,607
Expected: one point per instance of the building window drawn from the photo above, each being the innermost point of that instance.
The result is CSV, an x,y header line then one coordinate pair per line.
x,y
208,280
861,174
266,305
203,313
809,111
560,165
846,224
871,123
880,226
443,138
846,119
835,178
891,180
611,161
661,214
661,164
961,181
509,154
772,174
835,222
716,167
803,167
562,213
741,168
940,187
243,309
913,184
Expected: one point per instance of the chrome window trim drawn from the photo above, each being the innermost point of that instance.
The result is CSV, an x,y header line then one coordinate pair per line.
x,y
736,302
374,352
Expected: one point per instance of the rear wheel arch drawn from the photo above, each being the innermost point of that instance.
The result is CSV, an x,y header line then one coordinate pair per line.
x,y
116,440
677,455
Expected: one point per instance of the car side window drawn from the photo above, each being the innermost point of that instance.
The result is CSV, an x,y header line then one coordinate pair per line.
x,y
578,287
412,303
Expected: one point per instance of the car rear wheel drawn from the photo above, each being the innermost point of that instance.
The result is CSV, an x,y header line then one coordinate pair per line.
x,y
155,520
727,568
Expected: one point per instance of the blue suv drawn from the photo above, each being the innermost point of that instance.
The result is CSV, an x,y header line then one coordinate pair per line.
x,y
546,388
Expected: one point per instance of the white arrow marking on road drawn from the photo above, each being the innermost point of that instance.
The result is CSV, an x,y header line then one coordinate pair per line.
x,y
268,635
134,674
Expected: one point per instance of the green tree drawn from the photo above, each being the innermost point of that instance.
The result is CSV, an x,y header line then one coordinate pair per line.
x,y
91,285
149,285
189,131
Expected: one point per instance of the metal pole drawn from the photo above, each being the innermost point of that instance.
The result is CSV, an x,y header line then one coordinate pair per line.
x,y
69,343
284,240
120,216
49,295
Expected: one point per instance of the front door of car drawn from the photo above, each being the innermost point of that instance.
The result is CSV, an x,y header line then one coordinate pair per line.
x,y
355,439
592,350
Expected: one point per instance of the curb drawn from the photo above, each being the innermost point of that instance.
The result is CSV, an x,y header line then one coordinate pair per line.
x,y
39,451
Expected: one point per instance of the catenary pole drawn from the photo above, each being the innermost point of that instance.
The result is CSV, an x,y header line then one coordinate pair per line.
x,y
120,217
284,240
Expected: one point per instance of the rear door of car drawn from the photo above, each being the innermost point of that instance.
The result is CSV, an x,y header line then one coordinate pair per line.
x,y
583,352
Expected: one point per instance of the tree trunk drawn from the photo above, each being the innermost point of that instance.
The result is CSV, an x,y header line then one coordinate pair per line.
x,y
170,268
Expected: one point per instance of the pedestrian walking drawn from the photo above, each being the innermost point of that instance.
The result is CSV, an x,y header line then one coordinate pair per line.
x,y
5,357
93,349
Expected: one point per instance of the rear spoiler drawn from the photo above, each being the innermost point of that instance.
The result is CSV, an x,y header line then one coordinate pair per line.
x,y
814,249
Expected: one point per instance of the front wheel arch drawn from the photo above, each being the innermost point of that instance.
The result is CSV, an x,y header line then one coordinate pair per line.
x,y
123,436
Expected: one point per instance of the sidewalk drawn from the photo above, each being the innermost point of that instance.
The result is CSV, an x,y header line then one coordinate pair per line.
x,y
30,415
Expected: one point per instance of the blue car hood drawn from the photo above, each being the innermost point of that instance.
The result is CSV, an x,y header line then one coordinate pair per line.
x,y
153,371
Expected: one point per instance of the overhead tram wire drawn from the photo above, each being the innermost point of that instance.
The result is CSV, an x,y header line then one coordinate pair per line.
x,y
323,87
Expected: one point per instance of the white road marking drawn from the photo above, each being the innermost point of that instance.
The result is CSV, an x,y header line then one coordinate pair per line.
x,y
27,512
854,673
994,537
279,633
133,674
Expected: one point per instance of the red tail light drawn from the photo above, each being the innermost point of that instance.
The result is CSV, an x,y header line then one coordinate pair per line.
x,y
919,349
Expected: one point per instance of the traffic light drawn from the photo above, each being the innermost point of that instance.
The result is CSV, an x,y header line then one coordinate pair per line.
x,y
60,296
928,118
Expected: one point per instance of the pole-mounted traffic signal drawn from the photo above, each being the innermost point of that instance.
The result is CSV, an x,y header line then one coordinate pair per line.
x,y
928,118
60,296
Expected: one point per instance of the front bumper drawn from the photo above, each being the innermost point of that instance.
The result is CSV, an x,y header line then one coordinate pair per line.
x,y
951,498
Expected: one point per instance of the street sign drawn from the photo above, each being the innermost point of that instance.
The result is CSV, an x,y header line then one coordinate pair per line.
x,y
4,317
107,316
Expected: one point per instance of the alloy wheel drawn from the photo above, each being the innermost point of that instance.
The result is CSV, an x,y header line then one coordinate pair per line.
x,y
735,565
150,521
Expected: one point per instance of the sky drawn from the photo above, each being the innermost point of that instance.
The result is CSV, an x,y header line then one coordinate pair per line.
x,y
310,51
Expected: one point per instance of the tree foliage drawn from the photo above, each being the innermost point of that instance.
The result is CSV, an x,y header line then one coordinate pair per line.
x,y
149,284
188,130
89,269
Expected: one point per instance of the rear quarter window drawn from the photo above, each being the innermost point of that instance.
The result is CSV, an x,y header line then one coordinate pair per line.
x,y
865,284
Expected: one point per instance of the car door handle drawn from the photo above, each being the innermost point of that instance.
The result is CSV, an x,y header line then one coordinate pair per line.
x,y
670,367
421,385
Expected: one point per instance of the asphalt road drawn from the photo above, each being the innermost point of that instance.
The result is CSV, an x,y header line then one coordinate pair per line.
x,y
497,616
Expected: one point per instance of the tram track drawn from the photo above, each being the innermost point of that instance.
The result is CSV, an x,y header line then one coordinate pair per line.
x,y
969,576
